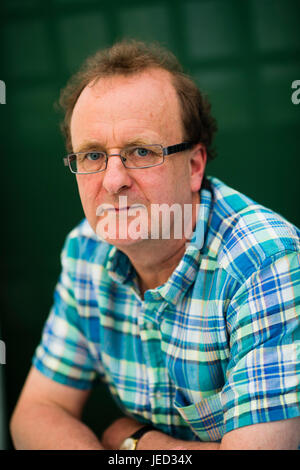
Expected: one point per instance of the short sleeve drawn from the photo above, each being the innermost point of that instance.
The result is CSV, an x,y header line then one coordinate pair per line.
x,y
63,354
263,374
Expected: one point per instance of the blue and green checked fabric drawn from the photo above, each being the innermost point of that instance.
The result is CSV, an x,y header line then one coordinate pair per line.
x,y
213,349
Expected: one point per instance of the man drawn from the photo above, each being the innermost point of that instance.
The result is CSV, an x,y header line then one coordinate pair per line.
x,y
191,319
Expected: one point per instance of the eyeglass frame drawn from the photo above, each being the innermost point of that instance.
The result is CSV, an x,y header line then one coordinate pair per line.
x,y
170,150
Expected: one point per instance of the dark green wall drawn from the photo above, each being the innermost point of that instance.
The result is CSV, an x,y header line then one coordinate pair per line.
x,y
244,53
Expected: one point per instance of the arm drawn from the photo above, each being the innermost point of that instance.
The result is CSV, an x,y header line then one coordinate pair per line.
x,y
277,435
47,416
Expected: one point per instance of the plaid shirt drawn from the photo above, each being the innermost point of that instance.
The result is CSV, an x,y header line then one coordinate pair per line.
x,y
213,349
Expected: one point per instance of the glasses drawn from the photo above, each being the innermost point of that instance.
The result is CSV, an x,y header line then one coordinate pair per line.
x,y
133,157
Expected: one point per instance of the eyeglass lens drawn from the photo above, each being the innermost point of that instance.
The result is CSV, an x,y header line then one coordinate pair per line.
x,y
132,157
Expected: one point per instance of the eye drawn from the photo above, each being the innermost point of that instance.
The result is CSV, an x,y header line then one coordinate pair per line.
x,y
142,152
92,156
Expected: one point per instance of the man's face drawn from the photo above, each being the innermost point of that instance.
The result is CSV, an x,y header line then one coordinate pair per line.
x,y
119,111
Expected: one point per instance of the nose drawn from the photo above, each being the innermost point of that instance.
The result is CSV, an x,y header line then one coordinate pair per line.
x,y
116,177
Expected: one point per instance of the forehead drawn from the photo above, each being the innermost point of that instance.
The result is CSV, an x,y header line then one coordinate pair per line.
x,y
147,100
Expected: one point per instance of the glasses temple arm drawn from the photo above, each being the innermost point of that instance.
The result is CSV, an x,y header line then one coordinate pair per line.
x,y
177,148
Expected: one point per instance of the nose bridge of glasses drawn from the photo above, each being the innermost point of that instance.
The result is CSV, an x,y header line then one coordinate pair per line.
x,y
115,155
122,158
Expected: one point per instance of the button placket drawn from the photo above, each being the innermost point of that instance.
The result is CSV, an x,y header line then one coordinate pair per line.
x,y
151,341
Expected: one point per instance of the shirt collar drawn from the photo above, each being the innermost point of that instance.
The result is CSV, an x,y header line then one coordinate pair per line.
x,y
118,266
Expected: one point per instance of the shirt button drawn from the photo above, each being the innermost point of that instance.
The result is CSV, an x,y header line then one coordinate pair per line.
x,y
149,325
158,395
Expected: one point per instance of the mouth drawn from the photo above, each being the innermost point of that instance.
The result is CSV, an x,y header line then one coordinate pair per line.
x,y
111,209
119,209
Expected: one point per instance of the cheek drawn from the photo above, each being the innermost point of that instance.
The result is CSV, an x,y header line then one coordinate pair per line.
x,y
177,177
88,187
156,185
86,184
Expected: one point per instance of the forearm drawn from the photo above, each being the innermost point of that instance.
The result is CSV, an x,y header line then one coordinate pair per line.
x,y
43,426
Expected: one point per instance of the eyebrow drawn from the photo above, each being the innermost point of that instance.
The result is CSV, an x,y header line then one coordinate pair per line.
x,y
139,141
91,146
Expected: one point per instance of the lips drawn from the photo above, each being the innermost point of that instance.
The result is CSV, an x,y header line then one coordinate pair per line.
x,y
118,209
110,208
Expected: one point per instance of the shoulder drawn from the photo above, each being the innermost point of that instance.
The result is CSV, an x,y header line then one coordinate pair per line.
x,y
247,234
82,244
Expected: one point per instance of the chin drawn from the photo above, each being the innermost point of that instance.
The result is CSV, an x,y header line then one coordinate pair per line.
x,y
122,231
122,243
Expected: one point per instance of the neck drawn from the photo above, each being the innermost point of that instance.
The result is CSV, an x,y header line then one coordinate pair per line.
x,y
153,269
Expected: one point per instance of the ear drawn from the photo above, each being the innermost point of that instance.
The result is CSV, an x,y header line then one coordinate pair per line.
x,y
198,158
